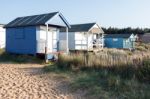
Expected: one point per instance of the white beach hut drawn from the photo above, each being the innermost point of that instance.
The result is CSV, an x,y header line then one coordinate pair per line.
x,y
85,37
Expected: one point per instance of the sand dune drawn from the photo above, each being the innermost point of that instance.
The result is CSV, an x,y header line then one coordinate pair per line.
x,y
28,81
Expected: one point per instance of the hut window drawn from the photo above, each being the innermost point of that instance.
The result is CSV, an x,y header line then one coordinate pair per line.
x,y
95,36
19,34
115,39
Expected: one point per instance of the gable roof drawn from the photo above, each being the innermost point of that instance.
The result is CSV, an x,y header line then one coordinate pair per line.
x,y
79,27
34,20
117,35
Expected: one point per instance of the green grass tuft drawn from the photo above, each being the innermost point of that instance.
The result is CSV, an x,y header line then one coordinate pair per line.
x,y
6,57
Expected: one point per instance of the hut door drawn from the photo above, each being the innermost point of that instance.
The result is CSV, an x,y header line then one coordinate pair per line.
x,y
126,43
52,40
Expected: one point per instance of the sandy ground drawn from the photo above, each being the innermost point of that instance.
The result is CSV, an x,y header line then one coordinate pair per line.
x,y
28,81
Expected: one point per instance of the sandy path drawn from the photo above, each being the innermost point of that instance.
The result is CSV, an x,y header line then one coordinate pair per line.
x,y
27,81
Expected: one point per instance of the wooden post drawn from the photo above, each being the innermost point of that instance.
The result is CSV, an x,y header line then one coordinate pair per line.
x,y
92,41
86,55
46,45
87,41
52,40
102,40
98,41
67,44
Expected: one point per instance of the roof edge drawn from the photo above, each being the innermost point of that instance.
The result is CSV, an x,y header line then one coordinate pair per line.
x,y
7,25
64,20
39,14
84,23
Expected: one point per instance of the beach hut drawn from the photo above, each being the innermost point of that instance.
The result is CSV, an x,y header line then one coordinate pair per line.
x,y
122,41
37,34
145,38
83,37
2,36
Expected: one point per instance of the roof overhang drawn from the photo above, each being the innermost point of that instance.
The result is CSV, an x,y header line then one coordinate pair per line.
x,y
59,15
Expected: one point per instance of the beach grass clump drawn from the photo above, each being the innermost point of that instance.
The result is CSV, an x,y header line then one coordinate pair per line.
x,y
18,58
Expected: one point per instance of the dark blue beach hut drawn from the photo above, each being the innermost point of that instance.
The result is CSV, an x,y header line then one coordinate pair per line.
x,y
122,41
35,34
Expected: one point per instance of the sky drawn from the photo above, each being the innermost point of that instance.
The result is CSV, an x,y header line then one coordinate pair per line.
x,y
114,13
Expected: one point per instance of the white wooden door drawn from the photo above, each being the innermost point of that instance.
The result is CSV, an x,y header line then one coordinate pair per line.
x,y
53,40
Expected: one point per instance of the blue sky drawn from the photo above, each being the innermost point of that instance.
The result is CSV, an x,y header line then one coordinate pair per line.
x,y
115,13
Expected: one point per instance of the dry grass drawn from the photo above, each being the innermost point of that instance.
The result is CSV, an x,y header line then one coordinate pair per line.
x,y
128,64
105,58
109,74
